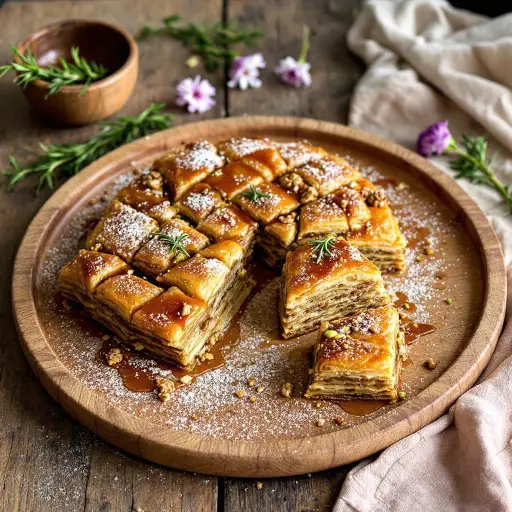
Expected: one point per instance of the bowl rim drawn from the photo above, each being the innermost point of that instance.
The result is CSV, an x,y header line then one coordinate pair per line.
x,y
109,79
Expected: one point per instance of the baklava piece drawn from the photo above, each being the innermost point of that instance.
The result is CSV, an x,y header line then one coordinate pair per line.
x,y
297,154
146,194
80,277
174,242
358,357
184,168
199,202
265,202
267,162
237,148
326,280
229,223
278,238
380,238
121,231
235,178
322,217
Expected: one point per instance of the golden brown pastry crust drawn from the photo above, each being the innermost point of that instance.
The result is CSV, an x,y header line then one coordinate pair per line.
x,y
322,217
235,178
199,202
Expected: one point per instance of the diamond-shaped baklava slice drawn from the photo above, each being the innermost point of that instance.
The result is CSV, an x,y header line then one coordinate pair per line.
x,y
326,280
322,217
267,162
121,231
265,202
229,223
199,202
358,357
184,168
233,179
198,277
146,194
328,174
236,148
354,206
175,242
297,154
125,294
82,275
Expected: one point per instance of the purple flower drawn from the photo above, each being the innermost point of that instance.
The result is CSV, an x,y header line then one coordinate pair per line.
x,y
245,72
296,72
434,140
196,94
293,72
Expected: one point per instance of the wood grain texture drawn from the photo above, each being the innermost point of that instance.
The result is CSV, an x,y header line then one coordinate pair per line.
x,y
281,456
47,460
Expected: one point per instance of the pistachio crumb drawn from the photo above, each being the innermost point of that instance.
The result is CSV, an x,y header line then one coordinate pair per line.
x,y
186,379
431,363
407,306
330,333
252,399
449,301
287,389
402,395
259,389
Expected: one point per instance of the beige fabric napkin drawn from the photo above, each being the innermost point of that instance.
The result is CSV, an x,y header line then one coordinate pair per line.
x,y
426,62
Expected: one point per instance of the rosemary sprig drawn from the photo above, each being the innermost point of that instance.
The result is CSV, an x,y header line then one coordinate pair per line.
x,y
175,242
472,164
253,194
65,160
211,43
322,247
78,71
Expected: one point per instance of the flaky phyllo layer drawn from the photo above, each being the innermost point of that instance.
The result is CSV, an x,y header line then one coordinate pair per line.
x,y
219,201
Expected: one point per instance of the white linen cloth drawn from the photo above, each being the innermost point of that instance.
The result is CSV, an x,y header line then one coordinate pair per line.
x,y
427,62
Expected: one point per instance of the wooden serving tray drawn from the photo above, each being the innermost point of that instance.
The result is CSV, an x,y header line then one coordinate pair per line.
x,y
205,427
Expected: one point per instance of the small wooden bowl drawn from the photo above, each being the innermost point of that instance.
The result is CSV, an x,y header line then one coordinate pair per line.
x,y
99,42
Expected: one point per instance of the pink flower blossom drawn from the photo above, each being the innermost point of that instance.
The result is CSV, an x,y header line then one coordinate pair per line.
x,y
245,72
294,73
196,94
434,140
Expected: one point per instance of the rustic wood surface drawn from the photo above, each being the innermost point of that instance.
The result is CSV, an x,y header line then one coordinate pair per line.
x,y
47,460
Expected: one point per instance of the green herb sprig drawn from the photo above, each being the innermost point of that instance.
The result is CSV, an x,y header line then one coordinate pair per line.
x,y
65,160
322,248
472,164
175,242
78,71
254,195
211,43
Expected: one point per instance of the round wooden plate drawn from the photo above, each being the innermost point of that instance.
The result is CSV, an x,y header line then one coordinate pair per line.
x,y
465,339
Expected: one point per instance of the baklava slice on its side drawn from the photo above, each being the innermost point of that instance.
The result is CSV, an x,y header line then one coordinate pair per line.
x,y
326,280
380,239
277,238
358,357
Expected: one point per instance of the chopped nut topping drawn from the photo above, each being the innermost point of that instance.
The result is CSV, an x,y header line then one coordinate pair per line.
x,y
287,389
339,420
320,422
186,310
431,363
407,306
292,181
310,194
287,219
259,389
318,405
251,382
114,356
252,399
240,393
165,388
373,197
346,346
429,251
209,356
186,379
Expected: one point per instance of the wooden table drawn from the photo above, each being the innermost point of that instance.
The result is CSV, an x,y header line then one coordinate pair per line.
x,y
47,460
